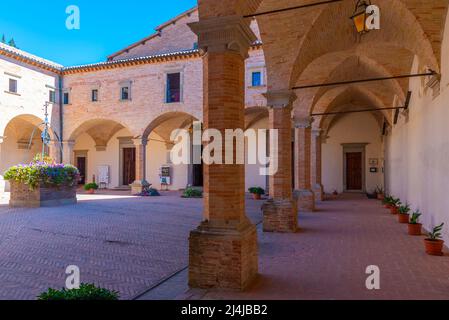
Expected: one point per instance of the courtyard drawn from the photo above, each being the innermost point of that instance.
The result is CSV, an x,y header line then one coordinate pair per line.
x,y
139,247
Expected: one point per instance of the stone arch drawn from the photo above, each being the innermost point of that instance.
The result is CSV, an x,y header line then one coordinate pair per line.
x,y
27,119
254,115
101,130
174,120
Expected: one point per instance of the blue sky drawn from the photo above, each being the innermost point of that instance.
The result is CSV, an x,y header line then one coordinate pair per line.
x,y
39,26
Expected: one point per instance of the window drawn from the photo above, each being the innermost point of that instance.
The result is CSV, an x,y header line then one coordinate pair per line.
x,y
52,96
125,93
66,98
173,87
256,80
13,85
95,95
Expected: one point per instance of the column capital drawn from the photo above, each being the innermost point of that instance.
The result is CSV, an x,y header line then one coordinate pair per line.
x,y
317,133
230,33
69,143
140,142
280,98
304,123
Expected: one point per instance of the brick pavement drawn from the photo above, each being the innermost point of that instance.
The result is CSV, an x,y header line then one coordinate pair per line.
x,y
122,243
327,259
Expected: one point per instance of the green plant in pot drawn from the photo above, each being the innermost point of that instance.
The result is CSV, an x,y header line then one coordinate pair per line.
x,y
91,187
414,227
380,193
388,200
404,214
395,204
434,244
257,192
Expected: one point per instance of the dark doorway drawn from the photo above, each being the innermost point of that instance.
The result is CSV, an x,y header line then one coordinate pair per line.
x,y
129,166
198,173
81,165
354,174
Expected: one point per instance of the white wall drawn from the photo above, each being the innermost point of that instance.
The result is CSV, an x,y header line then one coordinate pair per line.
x,y
253,178
418,149
352,128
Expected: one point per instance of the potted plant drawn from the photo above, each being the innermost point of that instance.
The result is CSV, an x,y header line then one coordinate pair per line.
x,y
91,187
191,192
380,193
388,201
414,227
395,204
404,214
434,244
257,192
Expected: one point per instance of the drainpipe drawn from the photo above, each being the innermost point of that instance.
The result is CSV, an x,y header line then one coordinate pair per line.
x,y
61,116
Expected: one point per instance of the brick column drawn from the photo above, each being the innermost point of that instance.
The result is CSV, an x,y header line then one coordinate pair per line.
x,y
68,157
223,249
317,186
141,150
280,212
55,151
303,187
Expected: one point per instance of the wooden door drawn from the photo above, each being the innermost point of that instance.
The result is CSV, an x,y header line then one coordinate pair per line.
x,y
129,166
81,165
354,172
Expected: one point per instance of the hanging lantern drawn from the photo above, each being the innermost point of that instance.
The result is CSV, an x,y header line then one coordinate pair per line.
x,y
360,16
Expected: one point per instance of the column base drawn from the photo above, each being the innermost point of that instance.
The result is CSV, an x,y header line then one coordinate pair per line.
x,y
280,216
306,200
223,258
139,186
318,190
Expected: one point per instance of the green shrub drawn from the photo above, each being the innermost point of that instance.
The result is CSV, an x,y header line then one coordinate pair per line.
x,y
192,193
91,186
84,293
42,173
256,190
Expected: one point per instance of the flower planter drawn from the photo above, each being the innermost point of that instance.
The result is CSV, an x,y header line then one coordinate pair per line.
x,y
41,196
434,247
415,229
257,196
403,218
380,197
91,191
394,210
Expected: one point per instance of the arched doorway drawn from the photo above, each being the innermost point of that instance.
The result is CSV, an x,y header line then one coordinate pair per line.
x,y
104,151
158,134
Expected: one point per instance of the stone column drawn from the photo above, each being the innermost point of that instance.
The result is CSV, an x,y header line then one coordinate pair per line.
x,y
68,156
54,151
280,213
317,185
141,151
223,249
303,187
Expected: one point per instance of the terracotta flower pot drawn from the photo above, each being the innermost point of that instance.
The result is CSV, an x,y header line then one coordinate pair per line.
x,y
434,247
415,229
380,196
387,206
403,218
257,196
91,191
394,210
